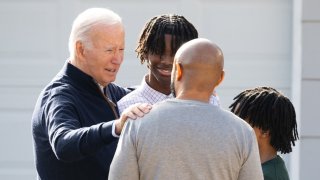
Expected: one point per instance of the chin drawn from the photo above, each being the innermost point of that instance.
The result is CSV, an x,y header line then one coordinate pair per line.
x,y
109,82
110,79
105,83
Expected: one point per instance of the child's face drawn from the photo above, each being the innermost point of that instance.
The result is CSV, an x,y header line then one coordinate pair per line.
x,y
161,65
262,136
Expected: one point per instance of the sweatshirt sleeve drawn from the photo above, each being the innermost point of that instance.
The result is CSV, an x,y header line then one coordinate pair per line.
x,y
70,141
125,162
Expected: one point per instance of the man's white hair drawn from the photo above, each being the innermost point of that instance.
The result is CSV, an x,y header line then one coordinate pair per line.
x,y
85,21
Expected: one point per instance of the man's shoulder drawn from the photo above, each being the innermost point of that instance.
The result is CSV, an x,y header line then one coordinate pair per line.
x,y
238,121
115,87
229,119
132,98
59,86
117,92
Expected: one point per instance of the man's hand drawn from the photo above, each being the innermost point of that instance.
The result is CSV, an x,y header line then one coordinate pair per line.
x,y
133,112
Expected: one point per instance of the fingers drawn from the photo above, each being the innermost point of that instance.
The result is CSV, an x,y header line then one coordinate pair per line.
x,y
145,108
137,110
132,112
129,114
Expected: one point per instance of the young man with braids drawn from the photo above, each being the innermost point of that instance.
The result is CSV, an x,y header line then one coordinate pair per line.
x,y
273,118
158,43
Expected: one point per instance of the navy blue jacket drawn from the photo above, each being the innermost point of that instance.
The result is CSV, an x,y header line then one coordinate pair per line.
x,y
72,127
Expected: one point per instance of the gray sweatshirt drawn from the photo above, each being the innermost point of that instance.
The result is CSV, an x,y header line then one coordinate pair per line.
x,y
184,139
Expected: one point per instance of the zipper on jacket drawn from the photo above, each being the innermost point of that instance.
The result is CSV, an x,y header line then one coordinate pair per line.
x,y
110,102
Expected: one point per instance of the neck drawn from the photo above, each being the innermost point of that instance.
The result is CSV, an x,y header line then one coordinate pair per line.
x,y
72,61
78,65
203,97
267,153
163,88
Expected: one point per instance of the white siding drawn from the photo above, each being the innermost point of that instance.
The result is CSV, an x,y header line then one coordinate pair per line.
x,y
309,89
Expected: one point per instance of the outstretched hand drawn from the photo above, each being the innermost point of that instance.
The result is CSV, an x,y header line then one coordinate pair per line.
x,y
133,112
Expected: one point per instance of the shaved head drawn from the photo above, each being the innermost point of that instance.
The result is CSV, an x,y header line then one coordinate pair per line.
x,y
199,51
198,69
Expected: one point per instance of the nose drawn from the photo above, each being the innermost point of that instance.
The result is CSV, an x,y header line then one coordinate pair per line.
x,y
167,59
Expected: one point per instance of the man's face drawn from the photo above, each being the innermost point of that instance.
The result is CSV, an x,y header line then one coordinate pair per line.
x,y
103,58
257,131
161,66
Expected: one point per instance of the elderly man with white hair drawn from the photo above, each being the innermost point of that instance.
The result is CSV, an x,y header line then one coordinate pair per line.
x,y
76,123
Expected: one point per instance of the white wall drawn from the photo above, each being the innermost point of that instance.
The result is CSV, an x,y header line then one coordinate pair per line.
x,y
306,87
254,35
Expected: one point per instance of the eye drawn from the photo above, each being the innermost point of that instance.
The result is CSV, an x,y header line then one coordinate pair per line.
x,y
109,51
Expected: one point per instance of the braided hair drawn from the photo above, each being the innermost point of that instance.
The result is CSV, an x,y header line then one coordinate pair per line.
x,y
152,39
268,110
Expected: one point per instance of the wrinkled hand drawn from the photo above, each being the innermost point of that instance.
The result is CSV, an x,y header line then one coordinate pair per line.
x,y
133,112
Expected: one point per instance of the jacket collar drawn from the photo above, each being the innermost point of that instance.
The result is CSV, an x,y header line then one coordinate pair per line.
x,y
79,78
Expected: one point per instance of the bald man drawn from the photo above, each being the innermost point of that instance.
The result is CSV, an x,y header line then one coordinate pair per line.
x,y
187,137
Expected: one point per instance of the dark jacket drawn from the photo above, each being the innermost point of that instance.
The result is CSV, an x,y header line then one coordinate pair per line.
x,y
72,127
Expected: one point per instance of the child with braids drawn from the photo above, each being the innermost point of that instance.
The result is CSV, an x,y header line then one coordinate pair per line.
x,y
273,118
160,39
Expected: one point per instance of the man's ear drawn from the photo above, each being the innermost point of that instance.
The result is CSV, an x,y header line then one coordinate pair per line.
x,y
265,134
221,77
179,71
79,50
